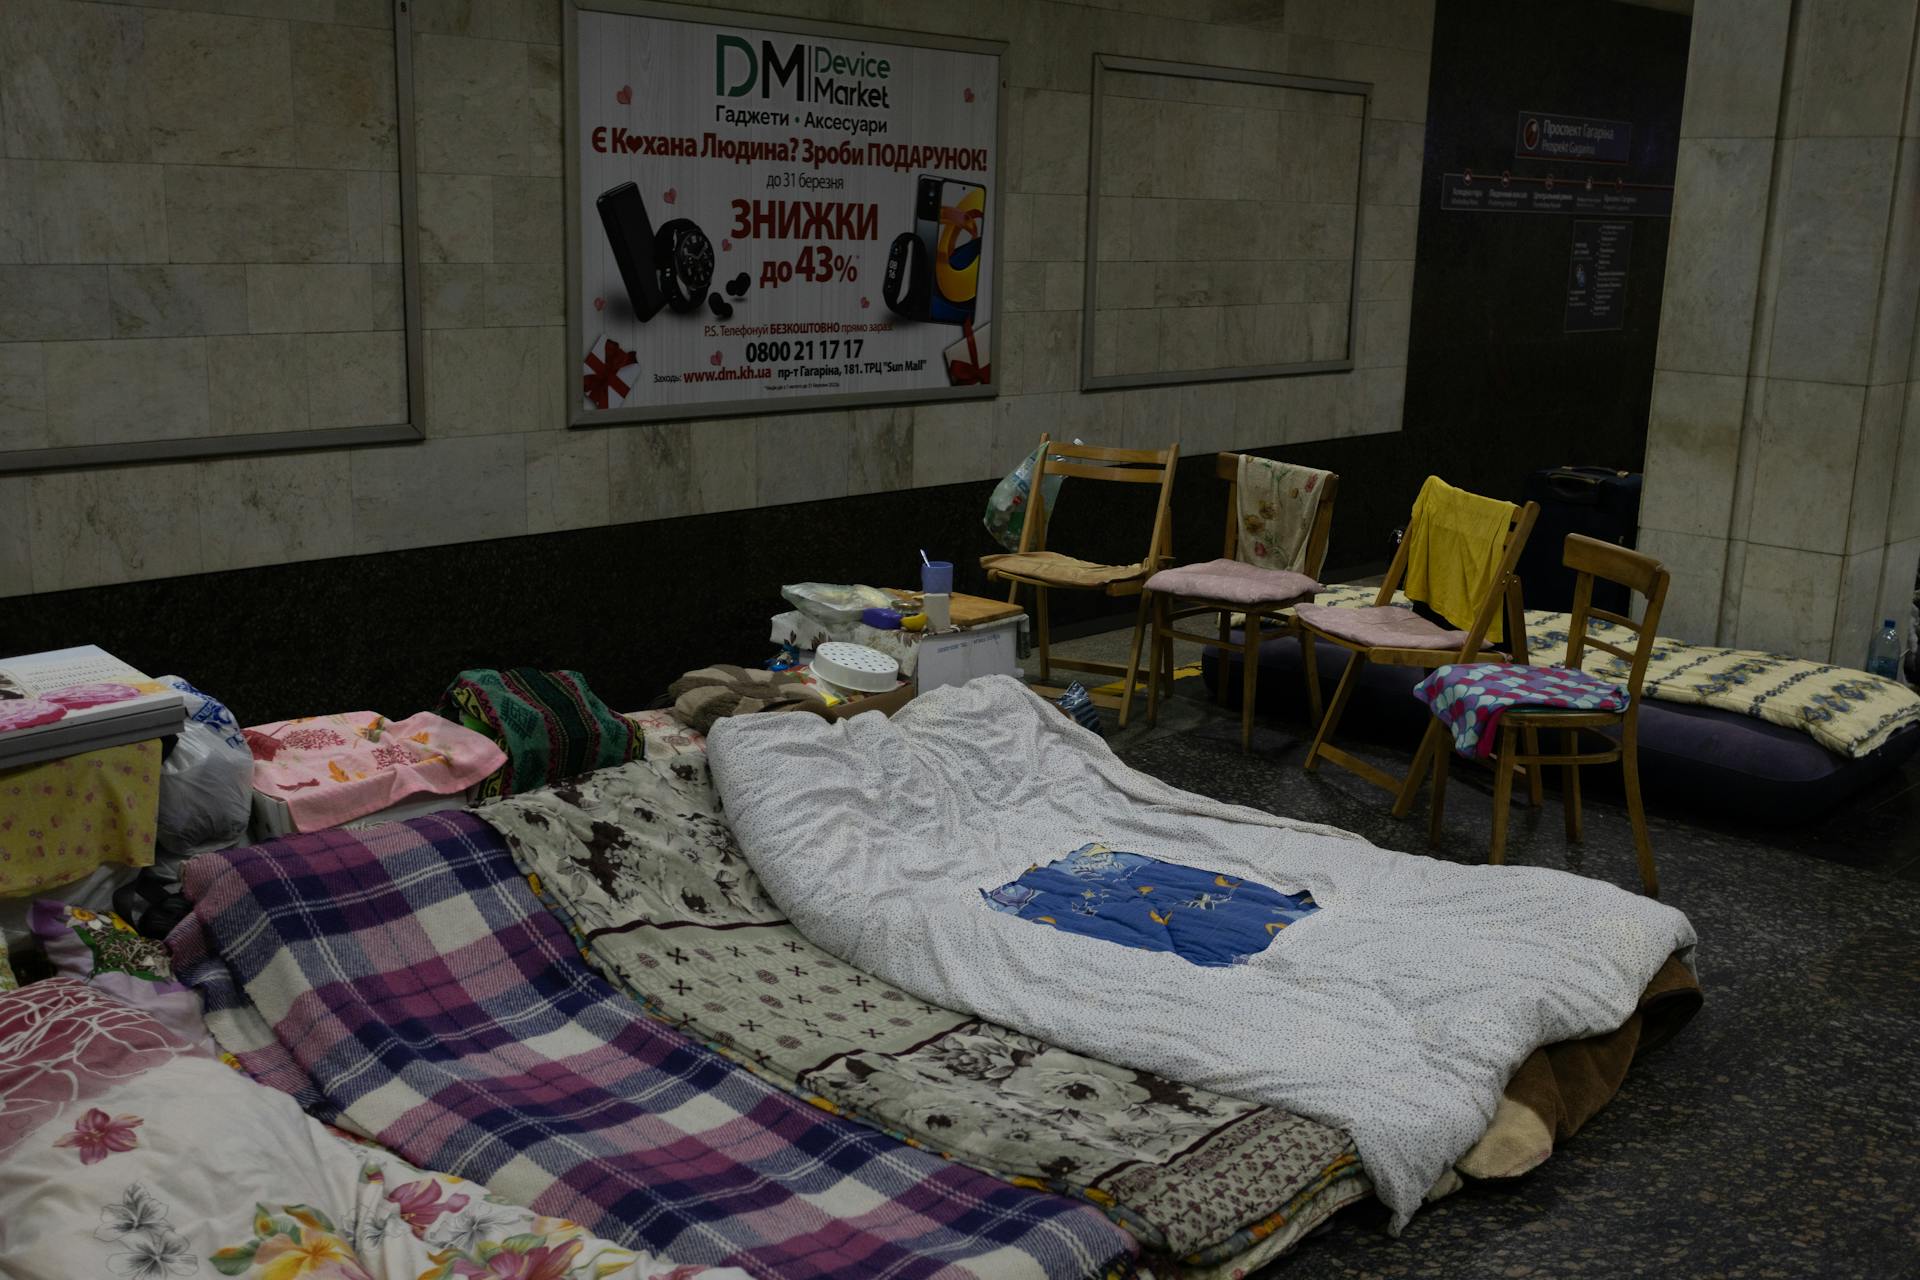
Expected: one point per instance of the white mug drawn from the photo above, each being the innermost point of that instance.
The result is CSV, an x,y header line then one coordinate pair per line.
x,y
939,611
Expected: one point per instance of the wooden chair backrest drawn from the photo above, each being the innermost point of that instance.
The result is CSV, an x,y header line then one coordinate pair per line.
x,y
1502,589
1591,560
1099,462
1227,467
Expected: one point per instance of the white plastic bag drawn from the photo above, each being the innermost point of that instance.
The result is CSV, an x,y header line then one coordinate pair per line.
x,y
206,781
1007,506
834,604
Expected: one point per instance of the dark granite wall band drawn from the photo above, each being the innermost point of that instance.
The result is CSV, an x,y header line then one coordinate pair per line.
x,y
631,605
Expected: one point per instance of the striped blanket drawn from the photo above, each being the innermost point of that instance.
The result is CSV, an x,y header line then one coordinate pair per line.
x,y
403,982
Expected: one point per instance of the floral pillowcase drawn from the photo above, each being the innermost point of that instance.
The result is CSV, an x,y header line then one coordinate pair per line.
x,y
147,1161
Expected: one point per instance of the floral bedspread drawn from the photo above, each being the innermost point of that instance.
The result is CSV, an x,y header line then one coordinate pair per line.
x,y
1846,711
106,1169
657,892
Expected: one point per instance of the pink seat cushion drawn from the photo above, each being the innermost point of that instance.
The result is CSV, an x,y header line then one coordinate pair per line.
x,y
1382,626
1233,582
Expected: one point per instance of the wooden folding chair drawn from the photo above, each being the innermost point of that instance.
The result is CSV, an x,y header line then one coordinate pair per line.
x,y
1591,559
1034,566
1414,642
1265,619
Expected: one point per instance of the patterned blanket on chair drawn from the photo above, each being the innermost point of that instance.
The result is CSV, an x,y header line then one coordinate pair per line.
x,y
1844,710
404,982
1470,698
668,909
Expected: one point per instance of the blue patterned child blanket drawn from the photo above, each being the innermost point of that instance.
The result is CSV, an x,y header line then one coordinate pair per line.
x,y
1137,901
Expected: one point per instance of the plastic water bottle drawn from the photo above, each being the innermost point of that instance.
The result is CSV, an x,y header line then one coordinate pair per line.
x,y
1883,656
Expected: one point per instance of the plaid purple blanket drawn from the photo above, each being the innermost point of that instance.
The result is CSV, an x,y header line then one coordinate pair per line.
x,y
403,981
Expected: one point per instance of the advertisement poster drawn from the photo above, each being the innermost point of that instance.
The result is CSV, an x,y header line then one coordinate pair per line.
x,y
767,218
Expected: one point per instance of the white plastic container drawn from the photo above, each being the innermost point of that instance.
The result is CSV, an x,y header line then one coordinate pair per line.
x,y
856,667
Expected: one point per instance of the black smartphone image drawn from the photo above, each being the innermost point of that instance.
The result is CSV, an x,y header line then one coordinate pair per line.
x,y
950,218
630,234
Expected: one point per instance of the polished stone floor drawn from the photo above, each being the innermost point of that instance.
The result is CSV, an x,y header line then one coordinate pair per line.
x,y
1776,1136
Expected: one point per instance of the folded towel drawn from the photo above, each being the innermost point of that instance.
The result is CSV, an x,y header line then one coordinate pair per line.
x,y
332,769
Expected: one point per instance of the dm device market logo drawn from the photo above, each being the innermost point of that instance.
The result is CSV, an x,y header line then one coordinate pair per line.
x,y
808,72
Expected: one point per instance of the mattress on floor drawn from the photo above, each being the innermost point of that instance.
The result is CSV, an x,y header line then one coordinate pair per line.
x,y
1396,1010
403,981
663,903
1699,756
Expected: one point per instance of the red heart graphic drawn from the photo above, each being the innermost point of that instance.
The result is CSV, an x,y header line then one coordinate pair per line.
x,y
864,304
966,95
625,95
670,195
726,246
714,358
599,304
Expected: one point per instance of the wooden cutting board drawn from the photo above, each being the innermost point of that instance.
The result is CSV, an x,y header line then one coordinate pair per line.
x,y
972,611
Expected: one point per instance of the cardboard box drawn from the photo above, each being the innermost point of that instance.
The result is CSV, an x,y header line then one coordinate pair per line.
x,y
885,703
955,657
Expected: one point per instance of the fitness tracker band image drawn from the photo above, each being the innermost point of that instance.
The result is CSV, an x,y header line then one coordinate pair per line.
x,y
905,286
630,235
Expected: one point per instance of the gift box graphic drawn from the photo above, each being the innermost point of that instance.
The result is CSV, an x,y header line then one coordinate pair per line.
x,y
968,360
611,374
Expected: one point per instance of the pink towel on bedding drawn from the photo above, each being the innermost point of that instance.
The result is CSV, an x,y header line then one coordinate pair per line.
x,y
333,769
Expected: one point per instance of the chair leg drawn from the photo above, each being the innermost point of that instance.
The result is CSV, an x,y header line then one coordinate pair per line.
x,y
1502,797
1430,743
1534,797
1133,659
1045,629
1226,651
1249,681
1155,640
1637,814
1328,722
1166,657
1438,808
1570,786
1310,668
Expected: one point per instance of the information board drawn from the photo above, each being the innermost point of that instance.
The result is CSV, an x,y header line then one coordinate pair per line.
x,y
1597,276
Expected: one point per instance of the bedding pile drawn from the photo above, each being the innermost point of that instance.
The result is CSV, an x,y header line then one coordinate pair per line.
x,y
105,1169
1846,711
1397,1011
665,906
403,981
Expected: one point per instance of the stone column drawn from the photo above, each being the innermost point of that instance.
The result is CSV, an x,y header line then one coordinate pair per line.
x,y
1783,466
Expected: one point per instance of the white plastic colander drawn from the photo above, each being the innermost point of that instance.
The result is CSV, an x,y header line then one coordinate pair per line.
x,y
856,667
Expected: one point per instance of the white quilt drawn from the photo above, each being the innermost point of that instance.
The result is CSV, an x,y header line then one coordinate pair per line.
x,y
1396,1012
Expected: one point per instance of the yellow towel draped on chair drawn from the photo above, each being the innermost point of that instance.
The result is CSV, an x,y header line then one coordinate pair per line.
x,y
1454,544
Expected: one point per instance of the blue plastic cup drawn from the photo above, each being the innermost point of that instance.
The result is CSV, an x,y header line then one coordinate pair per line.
x,y
936,577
